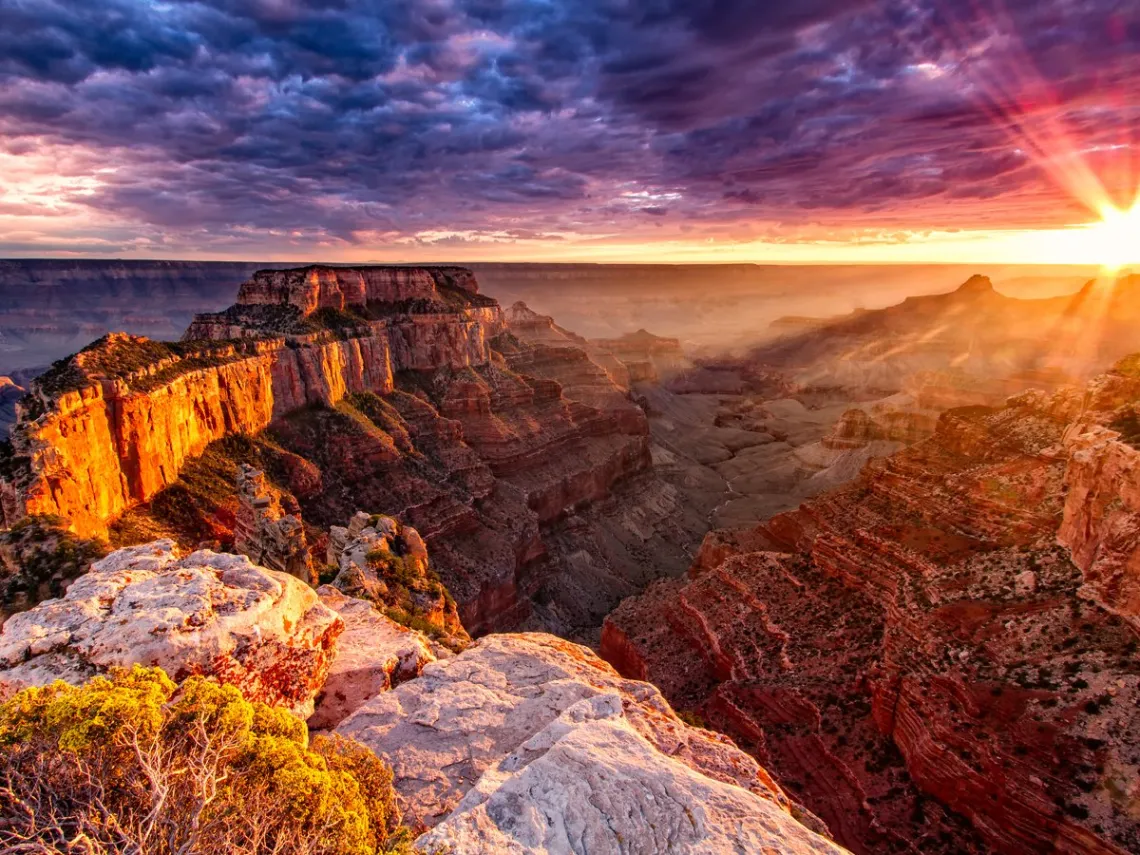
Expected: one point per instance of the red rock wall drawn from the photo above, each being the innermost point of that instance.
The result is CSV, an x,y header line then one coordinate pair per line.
x,y
928,650
315,288
1101,525
107,447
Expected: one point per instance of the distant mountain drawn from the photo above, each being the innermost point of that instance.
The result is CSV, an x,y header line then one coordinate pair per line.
x,y
973,329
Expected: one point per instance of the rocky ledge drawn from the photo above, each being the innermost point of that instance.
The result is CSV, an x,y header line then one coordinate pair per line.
x,y
208,613
520,744
527,743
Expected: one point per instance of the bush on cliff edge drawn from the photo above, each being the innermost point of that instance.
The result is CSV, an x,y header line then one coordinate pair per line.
x,y
134,763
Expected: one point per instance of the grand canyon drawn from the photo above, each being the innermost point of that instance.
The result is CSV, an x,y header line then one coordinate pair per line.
x,y
569,427
936,651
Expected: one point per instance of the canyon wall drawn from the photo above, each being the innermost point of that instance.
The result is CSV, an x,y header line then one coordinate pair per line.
x,y
951,637
513,447
114,425
1101,526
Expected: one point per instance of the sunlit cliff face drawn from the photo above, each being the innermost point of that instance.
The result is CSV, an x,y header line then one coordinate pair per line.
x,y
838,130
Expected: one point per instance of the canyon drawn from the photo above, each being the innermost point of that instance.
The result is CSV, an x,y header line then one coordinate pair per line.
x,y
913,619
401,391
509,718
952,635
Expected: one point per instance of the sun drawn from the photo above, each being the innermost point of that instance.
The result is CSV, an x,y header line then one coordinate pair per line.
x,y
1114,242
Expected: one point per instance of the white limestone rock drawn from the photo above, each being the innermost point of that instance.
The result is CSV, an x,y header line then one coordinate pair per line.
x,y
374,654
528,743
208,613
589,782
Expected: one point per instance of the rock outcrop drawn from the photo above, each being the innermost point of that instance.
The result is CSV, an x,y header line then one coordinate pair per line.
x,y
649,358
951,636
373,654
510,445
112,426
386,563
1101,526
265,533
208,613
528,743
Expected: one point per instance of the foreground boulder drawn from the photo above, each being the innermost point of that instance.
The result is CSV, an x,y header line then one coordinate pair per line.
x,y
208,613
374,654
527,743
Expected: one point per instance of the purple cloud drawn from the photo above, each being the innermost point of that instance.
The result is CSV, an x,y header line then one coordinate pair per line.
x,y
347,119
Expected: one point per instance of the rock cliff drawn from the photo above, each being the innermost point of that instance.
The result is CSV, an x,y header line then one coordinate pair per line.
x,y
265,533
528,743
951,636
113,425
510,444
522,743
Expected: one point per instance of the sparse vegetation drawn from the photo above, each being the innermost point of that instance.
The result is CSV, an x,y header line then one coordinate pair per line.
x,y
132,763
38,557
121,356
200,506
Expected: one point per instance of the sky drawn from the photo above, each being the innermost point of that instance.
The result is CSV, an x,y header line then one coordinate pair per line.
x,y
563,130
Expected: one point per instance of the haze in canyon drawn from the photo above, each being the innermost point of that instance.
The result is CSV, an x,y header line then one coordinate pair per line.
x,y
533,426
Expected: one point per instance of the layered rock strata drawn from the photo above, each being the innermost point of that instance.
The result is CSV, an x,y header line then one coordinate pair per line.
x,y
510,445
528,743
207,613
113,425
952,636
264,532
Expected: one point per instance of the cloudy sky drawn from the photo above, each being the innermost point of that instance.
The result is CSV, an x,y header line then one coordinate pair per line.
x,y
566,129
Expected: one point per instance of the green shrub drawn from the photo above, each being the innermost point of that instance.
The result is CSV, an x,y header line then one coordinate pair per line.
x,y
38,557
133,763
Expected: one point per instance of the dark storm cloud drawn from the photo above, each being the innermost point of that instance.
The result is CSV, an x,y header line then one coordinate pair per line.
x,y
340,117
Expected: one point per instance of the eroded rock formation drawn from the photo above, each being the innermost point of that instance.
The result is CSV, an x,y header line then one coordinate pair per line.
x,y
207,613
949,637
265,533
647,357
386,563
511,445
373,654
526,742
112,426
